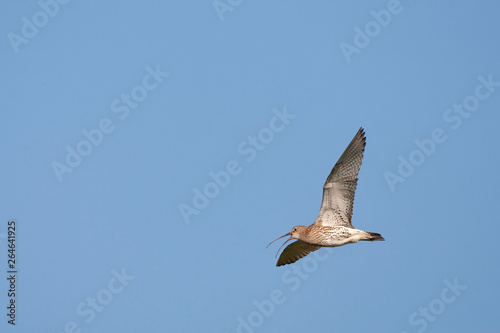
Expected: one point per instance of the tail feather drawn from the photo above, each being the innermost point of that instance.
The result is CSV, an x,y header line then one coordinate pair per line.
x,y
375,237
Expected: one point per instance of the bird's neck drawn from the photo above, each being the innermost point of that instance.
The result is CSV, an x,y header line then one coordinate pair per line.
x,y
309,235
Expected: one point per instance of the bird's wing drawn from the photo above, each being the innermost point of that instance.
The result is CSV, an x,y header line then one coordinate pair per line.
x,y
295,251
339,188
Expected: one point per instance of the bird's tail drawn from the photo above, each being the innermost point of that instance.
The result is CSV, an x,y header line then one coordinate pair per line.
x,y
373,236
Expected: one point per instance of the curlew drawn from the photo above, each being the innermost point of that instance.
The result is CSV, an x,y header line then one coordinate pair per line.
x,y
333,227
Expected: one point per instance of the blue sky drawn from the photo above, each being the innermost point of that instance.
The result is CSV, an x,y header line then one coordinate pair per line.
x,y
117,115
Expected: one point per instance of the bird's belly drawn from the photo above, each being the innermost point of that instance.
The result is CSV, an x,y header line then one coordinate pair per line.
x,y
340,237
335,242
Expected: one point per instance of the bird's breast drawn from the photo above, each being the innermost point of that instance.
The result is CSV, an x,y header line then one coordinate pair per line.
x,y
328,236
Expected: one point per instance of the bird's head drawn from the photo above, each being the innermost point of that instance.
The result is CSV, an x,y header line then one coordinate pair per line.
x,y
296,232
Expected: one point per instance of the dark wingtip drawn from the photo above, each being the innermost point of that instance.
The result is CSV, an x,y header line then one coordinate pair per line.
x,y
362,135
376,237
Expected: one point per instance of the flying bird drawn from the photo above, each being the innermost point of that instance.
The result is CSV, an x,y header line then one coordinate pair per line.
x,y
333,227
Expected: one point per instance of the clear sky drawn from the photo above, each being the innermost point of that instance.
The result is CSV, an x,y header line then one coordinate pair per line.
x,y
151,150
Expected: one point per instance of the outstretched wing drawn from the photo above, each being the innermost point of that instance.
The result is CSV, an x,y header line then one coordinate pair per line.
x,y
339,188
295,251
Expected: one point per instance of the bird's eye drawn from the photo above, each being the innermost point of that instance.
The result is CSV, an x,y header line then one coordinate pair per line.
x,y
294,229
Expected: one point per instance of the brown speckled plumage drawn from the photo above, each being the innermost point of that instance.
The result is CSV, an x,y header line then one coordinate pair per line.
x,y
333,227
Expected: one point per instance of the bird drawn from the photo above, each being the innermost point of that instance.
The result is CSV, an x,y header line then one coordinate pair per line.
x,y
333,226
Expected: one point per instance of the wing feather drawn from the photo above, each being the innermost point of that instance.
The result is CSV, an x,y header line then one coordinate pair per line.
x,y
340,186
295,251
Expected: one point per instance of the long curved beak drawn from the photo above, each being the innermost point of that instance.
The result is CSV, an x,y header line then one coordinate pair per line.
x,y
288,234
